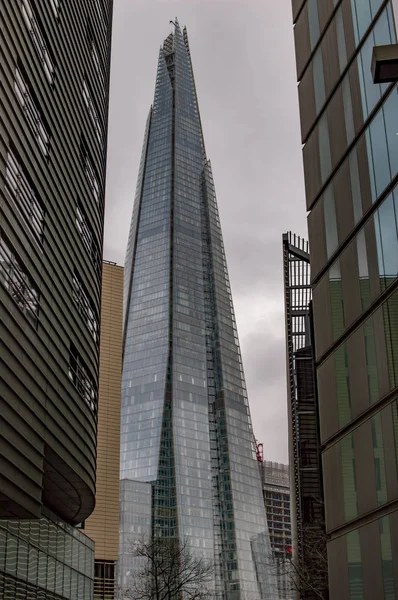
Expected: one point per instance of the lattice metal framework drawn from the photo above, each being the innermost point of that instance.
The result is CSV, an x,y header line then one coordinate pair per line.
x,y
297,287
305,451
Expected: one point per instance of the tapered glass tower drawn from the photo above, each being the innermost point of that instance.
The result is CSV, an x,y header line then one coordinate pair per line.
x,y
186,433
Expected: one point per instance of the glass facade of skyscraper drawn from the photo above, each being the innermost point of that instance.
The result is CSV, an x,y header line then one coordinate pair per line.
x,y
185,426
349,130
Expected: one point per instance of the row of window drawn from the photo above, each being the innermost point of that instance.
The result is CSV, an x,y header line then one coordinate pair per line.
x,y
31,209
40,130
17,282
30,108
38,40
92,111
24,197
379,233
80,376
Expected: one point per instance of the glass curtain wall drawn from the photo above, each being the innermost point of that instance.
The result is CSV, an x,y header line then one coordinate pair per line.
x,y
186,425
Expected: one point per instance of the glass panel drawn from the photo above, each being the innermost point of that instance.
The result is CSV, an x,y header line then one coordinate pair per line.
x,y
349,480
11,555
387,241
313,20
67,582
324,148
68,549
22,567
394,413
74,589
341,45
371,363
355,571
386,557
380,155
59,578
391,129
42,570
348,113
51,573
75,554
355,186
364,283
336,299
390,317
378,451
33,564
319,80
3,538
342,383
329,207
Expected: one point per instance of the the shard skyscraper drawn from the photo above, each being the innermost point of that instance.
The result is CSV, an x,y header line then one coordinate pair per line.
x,y
188,465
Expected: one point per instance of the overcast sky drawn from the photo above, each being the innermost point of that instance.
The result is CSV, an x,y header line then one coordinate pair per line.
x,y
243,60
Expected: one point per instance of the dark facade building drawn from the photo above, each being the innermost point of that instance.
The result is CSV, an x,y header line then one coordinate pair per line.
x,y
349,131
186,437
54,58
307,501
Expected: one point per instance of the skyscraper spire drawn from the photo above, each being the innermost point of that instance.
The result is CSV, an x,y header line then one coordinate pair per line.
x,y
186,429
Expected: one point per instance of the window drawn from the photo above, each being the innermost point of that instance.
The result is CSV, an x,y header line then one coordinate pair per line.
x,y
55,7
79,375
87,236
15,279
89,171
31,112
96,60
102,16
38,40
355,569
92,111
85,306
23,196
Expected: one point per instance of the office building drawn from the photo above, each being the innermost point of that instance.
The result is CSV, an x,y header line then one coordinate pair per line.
x,y
349,131
102,526
186,434
55,60
276,490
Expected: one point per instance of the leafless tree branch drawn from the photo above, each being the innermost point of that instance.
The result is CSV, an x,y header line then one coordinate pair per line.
x,y
170,571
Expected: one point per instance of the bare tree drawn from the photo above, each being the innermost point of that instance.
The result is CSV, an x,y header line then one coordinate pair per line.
x,y
170,571
308,573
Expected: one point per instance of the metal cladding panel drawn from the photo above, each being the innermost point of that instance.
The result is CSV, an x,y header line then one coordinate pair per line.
x,y
55,74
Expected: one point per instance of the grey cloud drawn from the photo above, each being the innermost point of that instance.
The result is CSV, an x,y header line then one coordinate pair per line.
x,y
264,361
